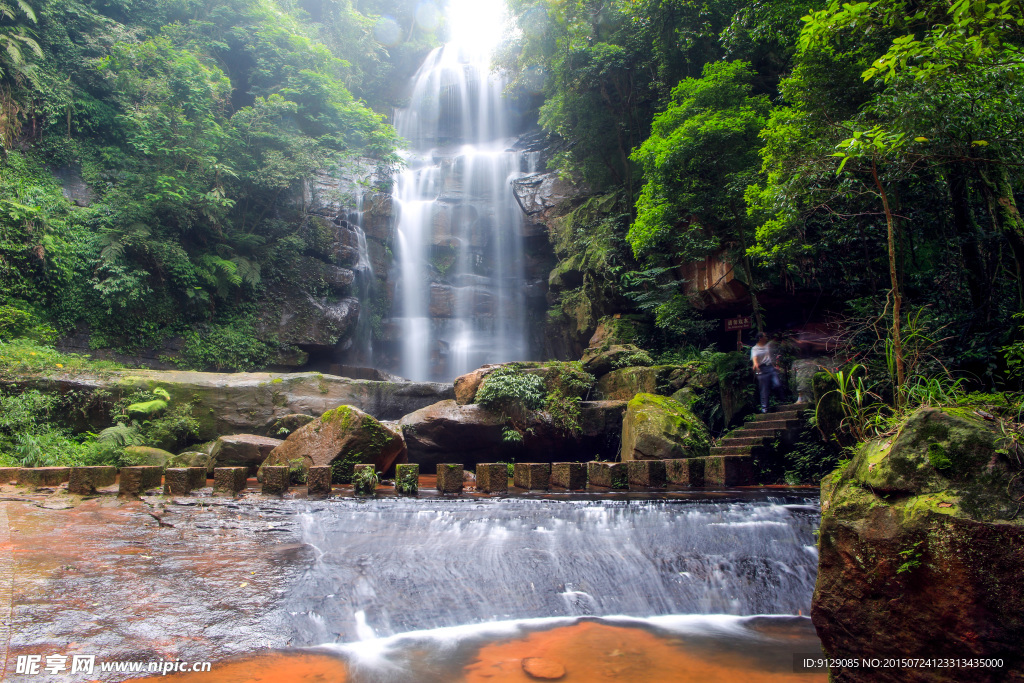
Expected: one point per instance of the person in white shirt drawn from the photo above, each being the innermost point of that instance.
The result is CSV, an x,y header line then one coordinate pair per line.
x,y
762,356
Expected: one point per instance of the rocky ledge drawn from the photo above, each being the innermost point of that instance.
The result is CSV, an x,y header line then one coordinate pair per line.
x,y
252,402
921,545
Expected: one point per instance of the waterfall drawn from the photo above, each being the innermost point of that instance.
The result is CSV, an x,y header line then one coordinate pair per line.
x,y
385,567
459,302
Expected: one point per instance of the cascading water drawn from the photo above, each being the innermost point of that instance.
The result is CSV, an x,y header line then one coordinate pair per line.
x,y
413,565
460,300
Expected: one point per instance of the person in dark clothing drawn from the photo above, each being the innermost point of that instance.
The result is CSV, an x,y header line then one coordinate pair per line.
x,y
768,382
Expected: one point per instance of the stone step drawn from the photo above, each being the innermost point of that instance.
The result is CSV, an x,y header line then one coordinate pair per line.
x,y
773,417
790,407
732,450
773,424
728,470
762,433
742,440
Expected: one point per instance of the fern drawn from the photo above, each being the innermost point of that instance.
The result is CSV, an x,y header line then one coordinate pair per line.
x,y
120,436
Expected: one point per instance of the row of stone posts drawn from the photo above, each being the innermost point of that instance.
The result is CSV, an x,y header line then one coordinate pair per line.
x,y
490,477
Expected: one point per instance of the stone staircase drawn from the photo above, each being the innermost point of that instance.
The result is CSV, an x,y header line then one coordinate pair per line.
x,y
755,437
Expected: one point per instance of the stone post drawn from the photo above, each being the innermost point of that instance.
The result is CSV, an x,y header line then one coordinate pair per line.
x,y
364,479
534,476
276,479
177,481
407,479
134,481
610,475
685,472
569,475
646,473
197,477
43,476
449,478
728,470
229,479
84,481
492,477
318,481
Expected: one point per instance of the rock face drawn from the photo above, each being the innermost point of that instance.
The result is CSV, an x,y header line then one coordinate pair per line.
x,y
447,432
241,450
625,383
541,195
252,402
346,434
920,548
313,324
660,428
603,359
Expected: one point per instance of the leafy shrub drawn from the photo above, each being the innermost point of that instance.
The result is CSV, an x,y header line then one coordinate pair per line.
x,y
570,379
564,411
365,481
511,391
25,356
232,346
633,360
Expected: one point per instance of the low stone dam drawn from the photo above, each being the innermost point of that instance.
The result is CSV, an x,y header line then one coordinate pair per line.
x,y
573,586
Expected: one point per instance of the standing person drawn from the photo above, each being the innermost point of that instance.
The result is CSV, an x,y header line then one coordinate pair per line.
x,y
764,367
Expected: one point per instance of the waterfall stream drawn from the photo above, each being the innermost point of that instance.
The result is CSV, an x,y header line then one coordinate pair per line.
x,y
459,301
388,567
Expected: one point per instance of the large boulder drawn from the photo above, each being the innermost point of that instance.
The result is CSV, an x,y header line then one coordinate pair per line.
x,y
920,550
450,432
345,434
148,456
567,377
601,360
193,459
247,402
660,428
242,450
466,385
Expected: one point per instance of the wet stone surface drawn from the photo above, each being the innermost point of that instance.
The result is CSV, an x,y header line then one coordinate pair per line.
x,y
145,579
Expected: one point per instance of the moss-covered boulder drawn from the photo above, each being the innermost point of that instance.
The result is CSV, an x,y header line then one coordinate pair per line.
x,y
148,456
567,377
920,550
617,330
660,428
603,359
345,435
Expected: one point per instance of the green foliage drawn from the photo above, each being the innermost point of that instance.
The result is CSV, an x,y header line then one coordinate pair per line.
x,y
192,128
407,480
24,356
564,411
697,162
511,391
231,346
364,481
296,471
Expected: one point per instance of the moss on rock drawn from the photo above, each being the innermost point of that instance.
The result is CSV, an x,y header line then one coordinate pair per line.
x,y
660,428
920,546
